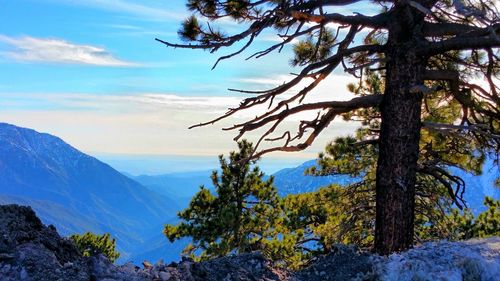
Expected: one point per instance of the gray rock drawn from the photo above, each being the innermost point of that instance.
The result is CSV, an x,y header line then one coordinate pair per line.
x,y
35,252
164,276
6,268
23,275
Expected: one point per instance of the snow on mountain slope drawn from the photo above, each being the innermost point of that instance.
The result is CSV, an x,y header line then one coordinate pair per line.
x,y
64,185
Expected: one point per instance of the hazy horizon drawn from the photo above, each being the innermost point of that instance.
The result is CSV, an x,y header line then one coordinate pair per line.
x,y
103,84
137,165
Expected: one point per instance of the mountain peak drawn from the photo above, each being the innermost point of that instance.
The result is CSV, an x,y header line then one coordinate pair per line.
x,y
69,186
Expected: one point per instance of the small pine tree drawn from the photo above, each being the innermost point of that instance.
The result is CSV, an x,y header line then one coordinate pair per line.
x,y
463,225
90,244
488,222
240,217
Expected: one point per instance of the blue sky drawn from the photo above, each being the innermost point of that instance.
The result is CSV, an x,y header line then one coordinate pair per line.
x,y
90,72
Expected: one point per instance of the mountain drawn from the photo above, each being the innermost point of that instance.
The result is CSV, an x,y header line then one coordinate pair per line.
x,y
294,181
287,181
180,185
78,193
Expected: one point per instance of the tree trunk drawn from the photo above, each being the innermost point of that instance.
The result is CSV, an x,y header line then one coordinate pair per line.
x,y
399,142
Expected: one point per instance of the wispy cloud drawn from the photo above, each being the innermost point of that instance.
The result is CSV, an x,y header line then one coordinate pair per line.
x,y
124,26
140,102
194,103
32,49
272,81
136,31
137,124
146,12
334,87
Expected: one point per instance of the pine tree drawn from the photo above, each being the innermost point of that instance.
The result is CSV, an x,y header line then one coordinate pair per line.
x,y
241,216
90,244
437,188
463,225
418,46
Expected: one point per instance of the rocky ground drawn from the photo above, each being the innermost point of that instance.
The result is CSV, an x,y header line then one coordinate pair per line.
x,y
31,251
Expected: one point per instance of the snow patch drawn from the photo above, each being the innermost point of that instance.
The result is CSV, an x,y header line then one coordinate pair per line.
x,y
476,259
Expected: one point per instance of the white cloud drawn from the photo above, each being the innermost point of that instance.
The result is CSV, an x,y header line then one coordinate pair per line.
x,y
272,81
157,123
32,49
212,104
141,102
334,87
124,26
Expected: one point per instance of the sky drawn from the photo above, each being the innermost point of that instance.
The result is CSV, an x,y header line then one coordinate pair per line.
x,y
90,72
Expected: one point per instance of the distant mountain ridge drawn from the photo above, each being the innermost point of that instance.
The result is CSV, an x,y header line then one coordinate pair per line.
x,y
287,181
79,193
183,185
295,181
66,186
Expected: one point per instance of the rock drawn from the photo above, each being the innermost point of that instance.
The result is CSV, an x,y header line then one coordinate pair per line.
x,y
347,263
164,276
6,268
129,268
251,266
5,256
31,251
147,264
23,275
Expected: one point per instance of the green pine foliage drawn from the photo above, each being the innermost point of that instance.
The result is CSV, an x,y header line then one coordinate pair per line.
x,y
329,216
308,51
245,214
463,225
90,244
240,216
190,30
315,221
437,189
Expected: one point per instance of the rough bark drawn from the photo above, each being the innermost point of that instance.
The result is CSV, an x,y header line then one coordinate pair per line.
x,y
399,140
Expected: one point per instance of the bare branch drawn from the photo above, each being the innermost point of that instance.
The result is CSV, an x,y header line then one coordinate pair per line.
x,y
446,179
254,29
235,53
330,62
478,128
287,40
339,106
317,125
378,21
459,43
454,29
